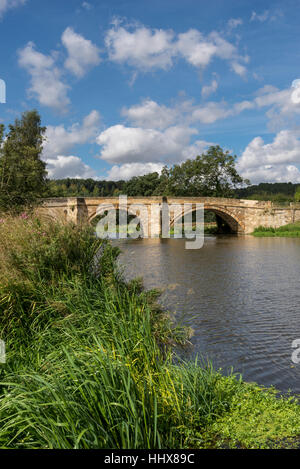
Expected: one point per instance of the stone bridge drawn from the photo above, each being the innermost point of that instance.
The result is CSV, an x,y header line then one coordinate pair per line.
x,y
240,216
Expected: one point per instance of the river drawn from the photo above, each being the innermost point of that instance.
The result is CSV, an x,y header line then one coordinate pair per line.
x,y
241,296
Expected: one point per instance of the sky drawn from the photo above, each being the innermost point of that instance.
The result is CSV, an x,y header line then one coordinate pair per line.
x,y
126,87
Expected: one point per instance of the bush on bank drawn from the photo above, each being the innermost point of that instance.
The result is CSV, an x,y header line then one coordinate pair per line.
x,y
90,358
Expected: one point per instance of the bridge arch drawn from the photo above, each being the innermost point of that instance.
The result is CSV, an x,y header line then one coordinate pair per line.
x,y
231,219
100,211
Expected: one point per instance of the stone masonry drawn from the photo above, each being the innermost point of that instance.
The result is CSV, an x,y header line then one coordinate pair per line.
x,y
242,216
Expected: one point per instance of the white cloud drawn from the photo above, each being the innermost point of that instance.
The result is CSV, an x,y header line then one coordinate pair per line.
x,y
82,53
143,48
135,151
195,48
199,50
149,114
283,109
262,17
242,106
234,23
269,173
122,144
68,167
275,161
46,83
60,141
146,49
159,135
197,148
163,135
9,4
239,69
267,15
213,111
209,89
128,170
87,6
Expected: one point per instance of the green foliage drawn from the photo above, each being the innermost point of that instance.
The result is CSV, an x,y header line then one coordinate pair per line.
x,y
257,419
211,174
142,185
297,195
291,230
84,188
277,192
89,358
22,172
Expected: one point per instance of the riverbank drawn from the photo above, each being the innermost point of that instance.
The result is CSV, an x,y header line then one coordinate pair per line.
x,y
291,230
90,359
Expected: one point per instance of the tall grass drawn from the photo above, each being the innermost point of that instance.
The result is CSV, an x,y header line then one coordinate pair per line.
x,y
90,358
290,230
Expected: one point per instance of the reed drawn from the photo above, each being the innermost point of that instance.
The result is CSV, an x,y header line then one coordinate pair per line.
x,y
90,358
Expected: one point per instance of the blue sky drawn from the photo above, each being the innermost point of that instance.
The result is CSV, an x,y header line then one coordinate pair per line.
x,y
125,87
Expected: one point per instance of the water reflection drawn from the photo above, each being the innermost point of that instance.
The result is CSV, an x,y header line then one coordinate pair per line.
x,y
240,294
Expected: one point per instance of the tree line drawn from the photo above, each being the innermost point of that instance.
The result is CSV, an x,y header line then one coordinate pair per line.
x,y
145,186
24,181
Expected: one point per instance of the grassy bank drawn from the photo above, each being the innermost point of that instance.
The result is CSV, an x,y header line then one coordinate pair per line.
x,y
291,230
90,358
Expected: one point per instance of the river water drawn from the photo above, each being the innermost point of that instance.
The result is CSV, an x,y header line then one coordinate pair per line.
x,y
241,295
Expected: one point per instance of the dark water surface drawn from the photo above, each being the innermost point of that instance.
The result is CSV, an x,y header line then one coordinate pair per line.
x,y
241,295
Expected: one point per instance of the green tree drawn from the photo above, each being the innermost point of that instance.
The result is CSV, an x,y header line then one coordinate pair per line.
x,y
297,194
212,174
142,185
22,172
96,191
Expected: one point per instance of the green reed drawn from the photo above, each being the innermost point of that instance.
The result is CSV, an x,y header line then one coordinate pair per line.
x,y
90,358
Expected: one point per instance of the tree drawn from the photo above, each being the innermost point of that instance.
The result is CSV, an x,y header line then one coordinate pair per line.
x,y
22,172
297,194
142,185
212,174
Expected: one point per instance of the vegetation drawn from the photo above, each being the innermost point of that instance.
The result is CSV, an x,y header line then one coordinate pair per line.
x,y
291,230
90,359
212,174
84,188
278,192
22,172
